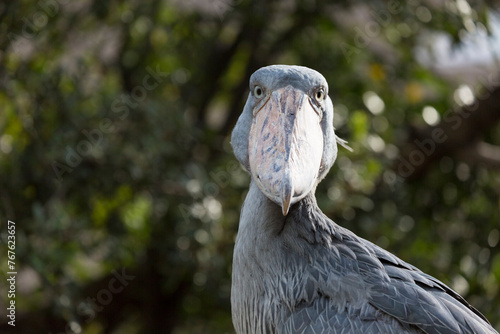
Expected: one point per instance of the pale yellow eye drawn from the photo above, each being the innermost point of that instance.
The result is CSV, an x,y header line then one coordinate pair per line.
x,y
320,95
258,92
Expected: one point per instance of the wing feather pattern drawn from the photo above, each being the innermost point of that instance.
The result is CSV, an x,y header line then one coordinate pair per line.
x,y
354,286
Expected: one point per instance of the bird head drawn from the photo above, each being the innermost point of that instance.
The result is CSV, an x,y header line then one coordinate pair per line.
x,y
285,137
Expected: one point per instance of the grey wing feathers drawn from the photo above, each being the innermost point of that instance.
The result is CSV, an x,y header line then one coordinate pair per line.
x,y
416,298
350,285
321,318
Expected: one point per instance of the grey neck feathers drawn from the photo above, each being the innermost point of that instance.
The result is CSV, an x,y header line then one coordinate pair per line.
x,y
305,220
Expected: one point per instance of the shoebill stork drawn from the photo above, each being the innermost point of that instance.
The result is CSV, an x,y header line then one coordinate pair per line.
x,y
294,269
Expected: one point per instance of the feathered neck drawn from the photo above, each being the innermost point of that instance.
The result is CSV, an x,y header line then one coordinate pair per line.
x,y
304,220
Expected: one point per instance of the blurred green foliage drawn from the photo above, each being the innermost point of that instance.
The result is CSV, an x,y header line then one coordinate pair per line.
x,y
115,119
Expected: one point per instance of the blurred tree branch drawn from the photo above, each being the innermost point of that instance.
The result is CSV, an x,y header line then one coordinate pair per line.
x,y
456,135
481,153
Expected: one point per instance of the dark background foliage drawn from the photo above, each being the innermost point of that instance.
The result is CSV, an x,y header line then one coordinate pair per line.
x,y
116,166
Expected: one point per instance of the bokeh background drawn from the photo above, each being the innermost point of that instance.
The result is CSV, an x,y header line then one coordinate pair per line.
x,y
116,165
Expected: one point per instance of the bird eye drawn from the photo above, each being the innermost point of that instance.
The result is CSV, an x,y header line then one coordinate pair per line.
x,y
320,94
258,92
